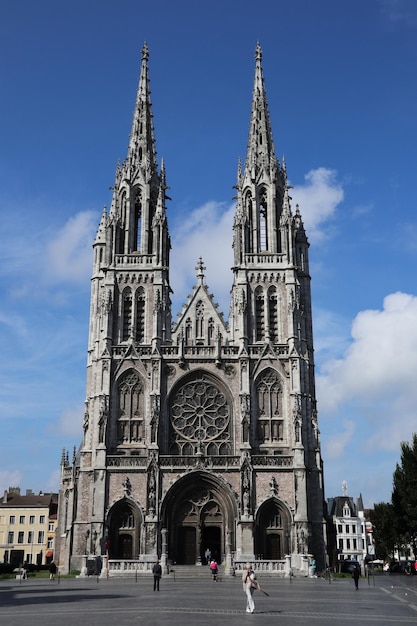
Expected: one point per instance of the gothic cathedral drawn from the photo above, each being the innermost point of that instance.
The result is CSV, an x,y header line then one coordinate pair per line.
x,y
200,433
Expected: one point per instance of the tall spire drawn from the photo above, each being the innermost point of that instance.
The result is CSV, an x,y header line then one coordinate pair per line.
x,y
260,145
142,137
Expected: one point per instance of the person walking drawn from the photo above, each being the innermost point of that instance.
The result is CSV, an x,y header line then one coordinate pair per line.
x,y
214,569
356,574
52,570
250,584
157,573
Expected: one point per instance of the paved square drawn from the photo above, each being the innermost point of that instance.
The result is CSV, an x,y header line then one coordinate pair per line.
x,y
388,599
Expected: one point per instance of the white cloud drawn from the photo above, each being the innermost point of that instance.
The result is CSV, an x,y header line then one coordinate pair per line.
x,y
69,254
375,378
335,445
70,422
318,199
206,233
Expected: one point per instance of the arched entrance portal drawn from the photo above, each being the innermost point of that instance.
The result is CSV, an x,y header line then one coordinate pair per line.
x,y
199,513
272,531
124,531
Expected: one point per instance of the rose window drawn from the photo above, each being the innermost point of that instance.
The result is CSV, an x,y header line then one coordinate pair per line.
x,y
200,414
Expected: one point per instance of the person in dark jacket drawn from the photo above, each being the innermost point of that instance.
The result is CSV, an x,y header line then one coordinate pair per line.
x,y
157,573
356,574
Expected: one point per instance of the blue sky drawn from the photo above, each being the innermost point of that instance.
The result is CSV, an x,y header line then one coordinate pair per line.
x,y
340,79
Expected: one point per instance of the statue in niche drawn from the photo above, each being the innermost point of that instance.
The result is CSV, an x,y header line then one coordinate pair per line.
x,y
86,418
151,490
154,418
245,415
246,491
127,487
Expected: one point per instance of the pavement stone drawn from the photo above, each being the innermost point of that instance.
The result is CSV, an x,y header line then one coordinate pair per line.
x,y
386,599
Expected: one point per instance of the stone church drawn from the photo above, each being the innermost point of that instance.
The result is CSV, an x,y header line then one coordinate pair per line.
x,y
200,433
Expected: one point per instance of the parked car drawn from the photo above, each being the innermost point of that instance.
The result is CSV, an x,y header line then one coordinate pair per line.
x,y
347,566
402,567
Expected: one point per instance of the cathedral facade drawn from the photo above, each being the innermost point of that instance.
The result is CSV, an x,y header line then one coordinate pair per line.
x,y
200,433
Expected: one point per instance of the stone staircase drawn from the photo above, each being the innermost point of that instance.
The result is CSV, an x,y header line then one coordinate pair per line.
x,y
193,571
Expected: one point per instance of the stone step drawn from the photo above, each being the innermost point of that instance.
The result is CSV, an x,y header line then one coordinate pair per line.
x,y
193,571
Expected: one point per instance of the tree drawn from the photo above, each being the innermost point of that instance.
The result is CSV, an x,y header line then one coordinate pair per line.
x,y
404,495
384,530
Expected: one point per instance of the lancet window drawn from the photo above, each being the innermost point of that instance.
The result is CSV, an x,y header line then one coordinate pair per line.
x,y
259,314
130,427
269,400
126,314
273,314
140,316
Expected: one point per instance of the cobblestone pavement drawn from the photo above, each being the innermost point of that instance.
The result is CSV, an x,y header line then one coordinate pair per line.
x,y
386,599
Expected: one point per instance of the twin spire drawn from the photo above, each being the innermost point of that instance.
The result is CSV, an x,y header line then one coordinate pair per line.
x,y
261,149
142,143
142,137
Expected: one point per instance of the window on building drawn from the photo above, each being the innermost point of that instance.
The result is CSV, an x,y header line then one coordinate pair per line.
x,y
10,537
12,519
32,519
200,418
51,527
347,544
347,528
140,316
41,536
131,409
259,315
127,315
30,536
42,519
354,544
339,529
20,536
340,544
273,314
22,519
270,418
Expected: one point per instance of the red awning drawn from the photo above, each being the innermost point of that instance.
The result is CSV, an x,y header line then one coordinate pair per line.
x,y
49,553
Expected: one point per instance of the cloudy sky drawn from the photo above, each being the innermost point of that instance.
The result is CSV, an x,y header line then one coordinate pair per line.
x,y
340,79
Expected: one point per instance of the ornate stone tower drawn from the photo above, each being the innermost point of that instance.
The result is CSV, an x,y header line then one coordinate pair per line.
x,y
202,434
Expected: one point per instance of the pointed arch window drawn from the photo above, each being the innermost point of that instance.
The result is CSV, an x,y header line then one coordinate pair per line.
x,y
199,320
273,314
249,247
126,315
210,328
130,427
188,331
269,401
140,316
263,222
259,315
138,220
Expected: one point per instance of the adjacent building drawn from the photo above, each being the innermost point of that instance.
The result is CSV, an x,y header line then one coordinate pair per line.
x,y
202,433
349,530
27,527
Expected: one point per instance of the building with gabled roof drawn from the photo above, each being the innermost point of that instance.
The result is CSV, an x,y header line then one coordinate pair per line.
x,y
203,433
